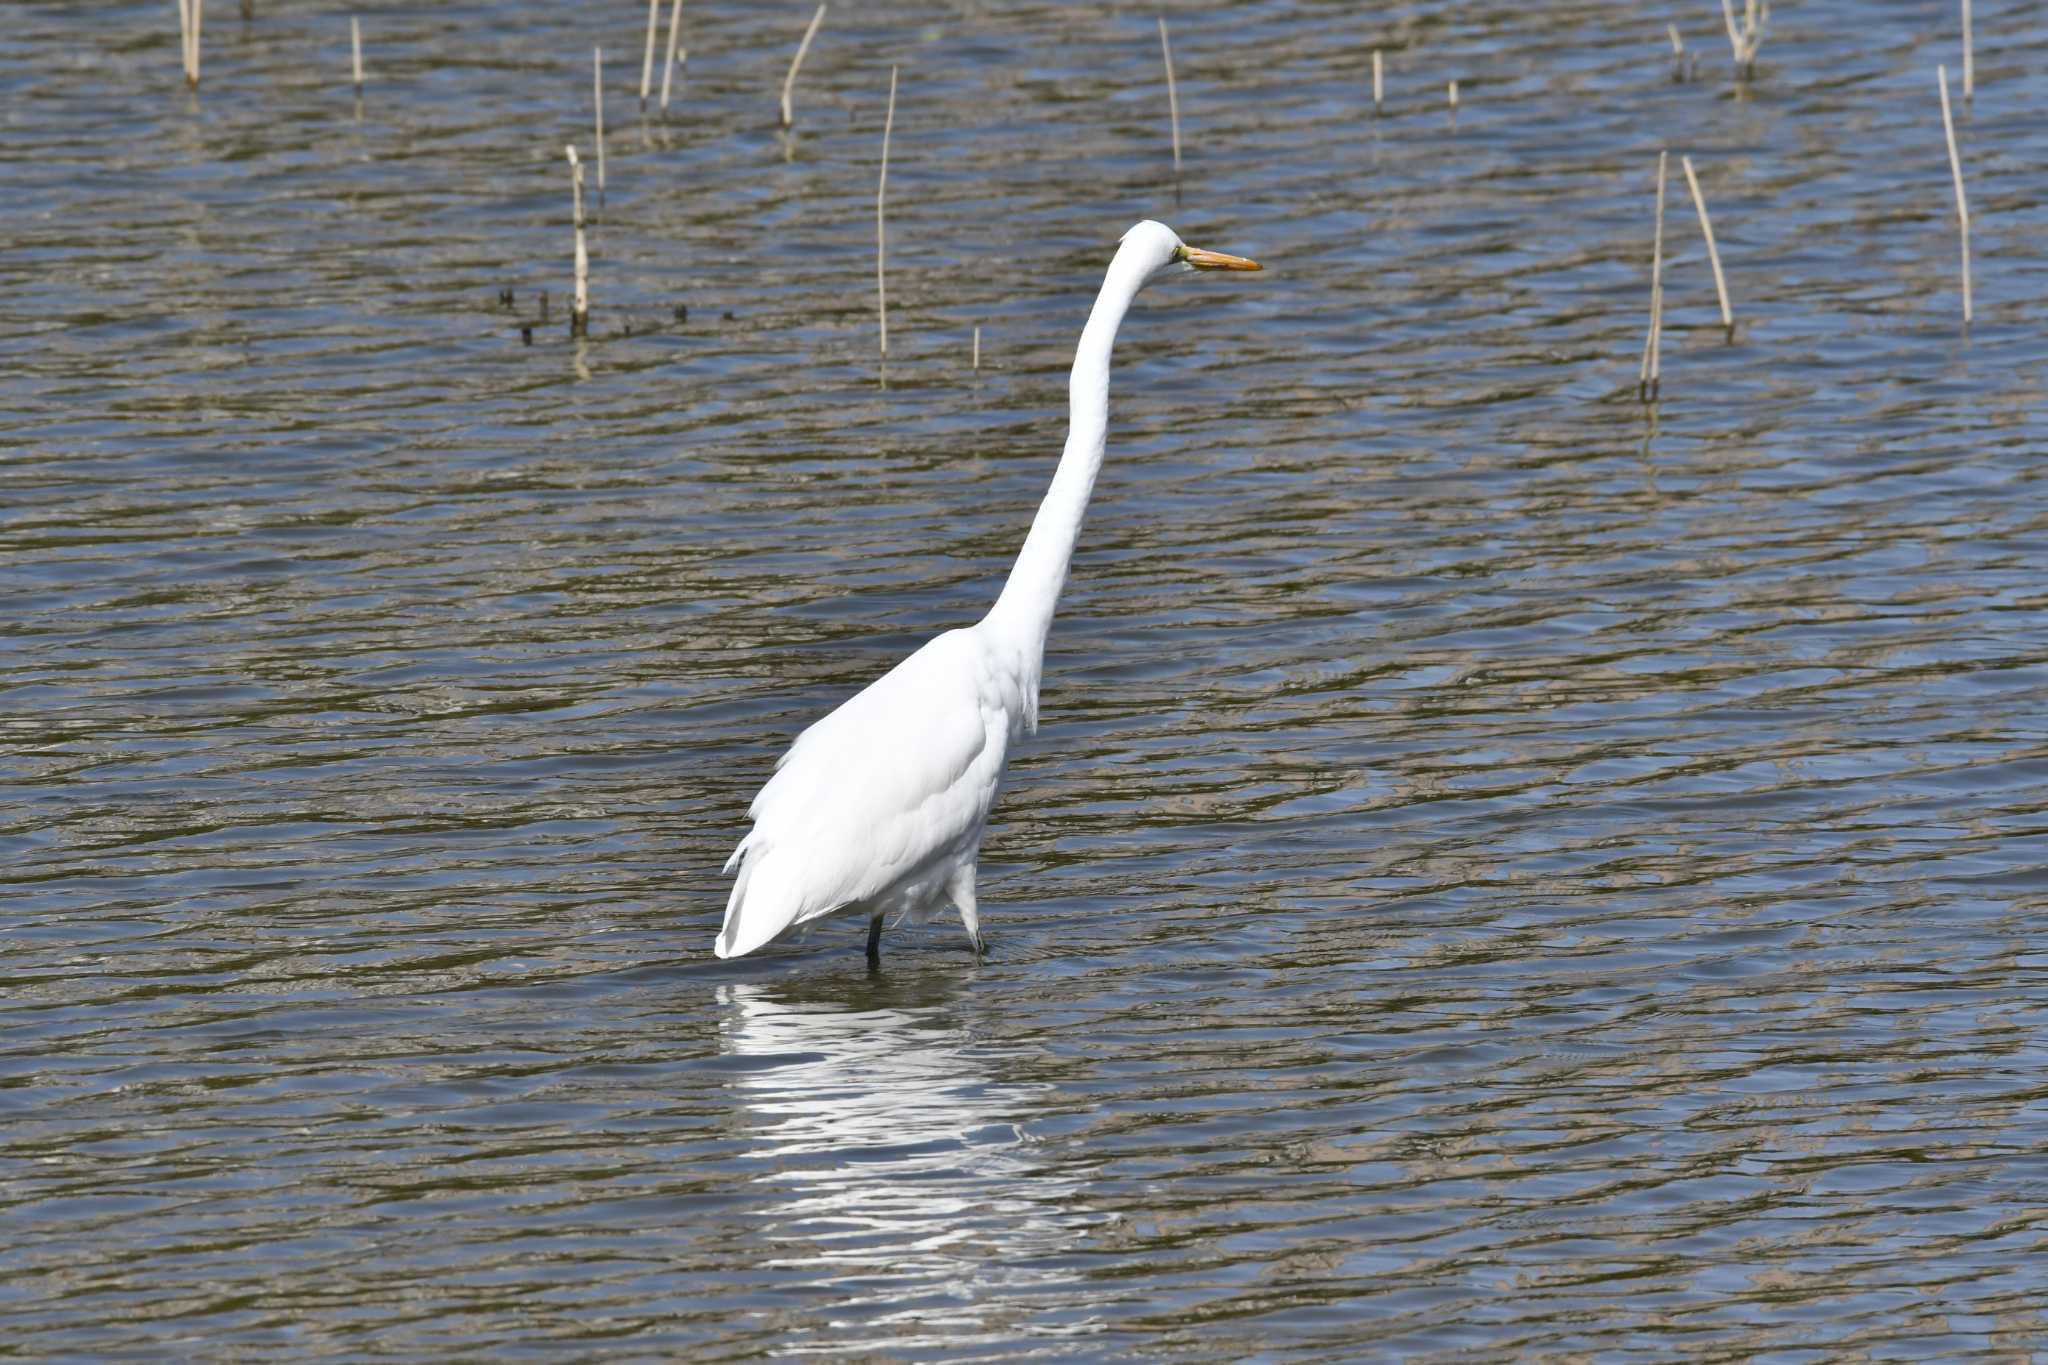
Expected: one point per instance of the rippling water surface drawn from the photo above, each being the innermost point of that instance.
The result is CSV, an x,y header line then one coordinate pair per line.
x,y
1505,870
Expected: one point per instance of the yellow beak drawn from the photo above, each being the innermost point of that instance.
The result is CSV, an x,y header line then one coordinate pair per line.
x,y
1216,260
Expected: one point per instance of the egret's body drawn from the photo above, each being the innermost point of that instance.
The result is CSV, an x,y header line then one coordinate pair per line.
x,y
878,808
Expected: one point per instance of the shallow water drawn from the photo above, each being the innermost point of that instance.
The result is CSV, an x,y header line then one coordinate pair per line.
x,y
1505,870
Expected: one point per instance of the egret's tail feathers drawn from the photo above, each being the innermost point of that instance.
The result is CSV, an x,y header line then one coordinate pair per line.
x,y
760,909
735,906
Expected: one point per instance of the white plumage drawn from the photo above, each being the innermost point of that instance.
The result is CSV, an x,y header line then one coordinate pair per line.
x,y
878,808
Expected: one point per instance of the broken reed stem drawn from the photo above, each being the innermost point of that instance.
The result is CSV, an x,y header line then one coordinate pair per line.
x,y
789,81
355,48
1679,61
881,189
191,15
647,53
668,69
1653,344
1454,96
1969,57
579,315
1378,87
1699,201
597,103
1172,92
1955,167
977,347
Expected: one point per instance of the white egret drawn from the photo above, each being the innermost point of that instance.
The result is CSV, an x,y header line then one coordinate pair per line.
x,y
878,808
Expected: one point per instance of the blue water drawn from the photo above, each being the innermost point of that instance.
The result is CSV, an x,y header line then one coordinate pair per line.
x,y
1507,869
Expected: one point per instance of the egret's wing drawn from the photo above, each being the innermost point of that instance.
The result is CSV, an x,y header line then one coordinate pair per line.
x,y
897,776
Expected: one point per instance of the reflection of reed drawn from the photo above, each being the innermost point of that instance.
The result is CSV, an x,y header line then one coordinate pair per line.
x,y
897,1156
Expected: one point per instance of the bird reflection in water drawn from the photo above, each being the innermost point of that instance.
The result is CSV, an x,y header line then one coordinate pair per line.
x,y
905,1181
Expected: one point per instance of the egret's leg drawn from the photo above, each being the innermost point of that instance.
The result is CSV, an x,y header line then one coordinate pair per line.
x,y
961,890
874,942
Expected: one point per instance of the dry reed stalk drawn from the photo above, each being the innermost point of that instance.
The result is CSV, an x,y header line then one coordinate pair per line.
x,y
1749,37
977,348
1955,167
881,189
1172,92
1969,57
789,81
579,315
597,104
355,50
191,16
1653,344
668,69
1454,96
647,53
1681,65
1699,201
1378,87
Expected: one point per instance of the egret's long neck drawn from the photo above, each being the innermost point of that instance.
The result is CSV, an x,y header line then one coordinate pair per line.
x,y
1023,614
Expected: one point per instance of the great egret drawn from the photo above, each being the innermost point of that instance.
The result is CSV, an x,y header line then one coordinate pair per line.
x,y
878,808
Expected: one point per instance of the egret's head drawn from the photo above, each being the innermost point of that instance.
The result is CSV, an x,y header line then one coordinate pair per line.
x,y
1158,247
